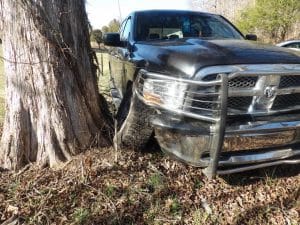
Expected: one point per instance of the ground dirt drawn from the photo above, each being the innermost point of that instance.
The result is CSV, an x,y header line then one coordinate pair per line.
x,y
103,186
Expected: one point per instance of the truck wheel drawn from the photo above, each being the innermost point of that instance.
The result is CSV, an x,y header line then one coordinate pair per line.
x,y
133,128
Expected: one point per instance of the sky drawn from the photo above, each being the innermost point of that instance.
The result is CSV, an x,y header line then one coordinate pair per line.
x,y
101,12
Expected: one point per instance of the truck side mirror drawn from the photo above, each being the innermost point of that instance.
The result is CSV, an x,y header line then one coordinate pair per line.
x,y
251,37
112,39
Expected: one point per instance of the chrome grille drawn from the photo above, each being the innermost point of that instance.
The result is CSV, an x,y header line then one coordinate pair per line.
x,y
286,101
203,105
289,81
267,90
234,103
237,82
243,82
204,102
240,103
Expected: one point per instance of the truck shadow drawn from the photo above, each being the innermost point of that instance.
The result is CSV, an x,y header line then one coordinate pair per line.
x,y
262,174
152,146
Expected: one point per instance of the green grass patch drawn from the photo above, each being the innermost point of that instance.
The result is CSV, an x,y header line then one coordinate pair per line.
x,y
110,190
156,181
81,216
175,206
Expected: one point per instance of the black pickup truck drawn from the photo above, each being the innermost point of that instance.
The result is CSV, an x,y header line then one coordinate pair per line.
x,y
212,97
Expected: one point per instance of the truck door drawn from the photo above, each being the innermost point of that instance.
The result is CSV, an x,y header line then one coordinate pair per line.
x,y
116,66
125,54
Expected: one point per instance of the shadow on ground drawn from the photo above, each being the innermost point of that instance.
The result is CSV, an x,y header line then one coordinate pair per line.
x,y
254,176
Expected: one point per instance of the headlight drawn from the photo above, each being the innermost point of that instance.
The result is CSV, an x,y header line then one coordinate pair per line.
x,y
187,97
167,94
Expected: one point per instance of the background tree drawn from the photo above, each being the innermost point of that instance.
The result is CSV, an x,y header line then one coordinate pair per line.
x,y
52,102
96,35
228,8
273,19
113,26
105,29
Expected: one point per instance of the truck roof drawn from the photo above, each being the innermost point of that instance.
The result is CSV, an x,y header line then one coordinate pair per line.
x,y
171,11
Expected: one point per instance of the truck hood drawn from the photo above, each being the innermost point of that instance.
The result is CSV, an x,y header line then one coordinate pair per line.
x,y
186,56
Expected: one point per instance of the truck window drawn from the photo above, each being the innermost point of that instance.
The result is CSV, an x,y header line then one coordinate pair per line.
x,y
126,31
155,25
293,45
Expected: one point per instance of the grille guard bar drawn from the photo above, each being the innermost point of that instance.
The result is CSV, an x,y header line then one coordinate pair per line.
x,y
219,131
217,117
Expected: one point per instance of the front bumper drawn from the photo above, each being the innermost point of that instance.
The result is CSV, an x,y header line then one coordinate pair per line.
x,y
242,149
205,135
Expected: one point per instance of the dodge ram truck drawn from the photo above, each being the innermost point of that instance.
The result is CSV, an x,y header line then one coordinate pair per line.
x,y
212,97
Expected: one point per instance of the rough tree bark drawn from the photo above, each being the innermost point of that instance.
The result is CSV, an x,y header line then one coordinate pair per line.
x,y
52,102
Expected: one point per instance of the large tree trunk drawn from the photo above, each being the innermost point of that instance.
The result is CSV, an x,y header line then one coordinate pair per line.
x,y
52,100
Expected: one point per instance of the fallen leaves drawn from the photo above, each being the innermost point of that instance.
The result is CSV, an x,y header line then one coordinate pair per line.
x,y
147,188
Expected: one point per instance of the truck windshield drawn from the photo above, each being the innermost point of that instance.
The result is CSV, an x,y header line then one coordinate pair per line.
x,y
173,25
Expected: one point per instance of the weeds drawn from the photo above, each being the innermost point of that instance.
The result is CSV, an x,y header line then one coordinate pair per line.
x,y
198,184
13,187
269,177
110,190
81,216
200,217
174,206
156,181
153,212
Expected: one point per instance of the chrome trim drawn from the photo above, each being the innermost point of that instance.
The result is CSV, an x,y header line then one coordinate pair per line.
x,y
241,69
218,132
260,92
259,157
264,73
203,93
258,166
252,128
187,81
262,127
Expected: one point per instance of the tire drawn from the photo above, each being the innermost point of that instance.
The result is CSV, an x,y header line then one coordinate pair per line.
x,y
133,128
